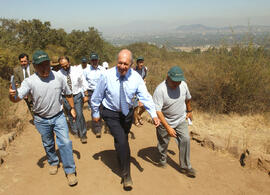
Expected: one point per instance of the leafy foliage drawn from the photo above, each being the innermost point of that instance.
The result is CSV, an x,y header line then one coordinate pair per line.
x,y
220,79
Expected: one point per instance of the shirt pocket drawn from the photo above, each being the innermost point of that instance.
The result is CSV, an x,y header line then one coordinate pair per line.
x,y
130,91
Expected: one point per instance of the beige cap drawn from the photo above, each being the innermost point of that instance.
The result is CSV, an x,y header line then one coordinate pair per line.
x,y
54,61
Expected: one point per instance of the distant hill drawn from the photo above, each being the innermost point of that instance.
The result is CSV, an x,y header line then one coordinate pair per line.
x,y
199,28
194,27
173,35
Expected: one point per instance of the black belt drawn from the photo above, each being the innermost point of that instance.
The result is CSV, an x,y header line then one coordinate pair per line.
x,y
72,95
120,112
49,117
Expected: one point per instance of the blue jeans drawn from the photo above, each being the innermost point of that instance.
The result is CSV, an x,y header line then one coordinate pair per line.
x,y
78,127
47,128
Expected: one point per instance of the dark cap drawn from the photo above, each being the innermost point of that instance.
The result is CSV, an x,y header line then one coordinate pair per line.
x,y
84,60
140,58
94,56
176,74
40,56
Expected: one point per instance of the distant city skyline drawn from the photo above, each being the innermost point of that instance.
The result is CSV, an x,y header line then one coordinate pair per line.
x,y
108,15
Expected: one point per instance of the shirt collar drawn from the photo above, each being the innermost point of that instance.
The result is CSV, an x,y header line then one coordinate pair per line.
x,y
25,67
127,75
92,68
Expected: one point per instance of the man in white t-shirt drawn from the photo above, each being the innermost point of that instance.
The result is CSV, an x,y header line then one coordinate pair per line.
x,y
46,87
173,104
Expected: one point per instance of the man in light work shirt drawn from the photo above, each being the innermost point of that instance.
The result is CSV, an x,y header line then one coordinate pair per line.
x,y
115,90
46,87
92,76
85,68
173,104
139,108
84,64
20,73
73,75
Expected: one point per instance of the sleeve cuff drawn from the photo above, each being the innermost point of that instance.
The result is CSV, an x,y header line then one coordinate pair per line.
x,y
96,115
153,114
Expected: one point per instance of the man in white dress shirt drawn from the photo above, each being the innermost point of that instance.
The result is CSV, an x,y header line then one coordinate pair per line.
x,y
73,75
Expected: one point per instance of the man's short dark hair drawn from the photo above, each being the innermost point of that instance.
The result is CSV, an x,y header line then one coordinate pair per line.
x,y
22,55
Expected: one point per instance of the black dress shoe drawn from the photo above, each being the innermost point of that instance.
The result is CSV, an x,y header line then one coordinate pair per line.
x,y
84,140
98,135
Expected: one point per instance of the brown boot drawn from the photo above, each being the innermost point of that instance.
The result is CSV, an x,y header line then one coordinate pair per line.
x,y
72,179
53,169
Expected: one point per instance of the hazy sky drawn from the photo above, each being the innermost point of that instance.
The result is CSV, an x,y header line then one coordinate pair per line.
x,y
80,14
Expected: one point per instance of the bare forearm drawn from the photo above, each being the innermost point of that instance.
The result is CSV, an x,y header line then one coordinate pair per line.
x,y
163,120
188,105
168,128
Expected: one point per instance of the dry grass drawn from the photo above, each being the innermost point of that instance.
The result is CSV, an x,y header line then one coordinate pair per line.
x,y
250,132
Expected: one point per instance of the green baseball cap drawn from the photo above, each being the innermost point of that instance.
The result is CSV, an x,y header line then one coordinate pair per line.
x,y
40,56
84,59
140,58
176,74
94,56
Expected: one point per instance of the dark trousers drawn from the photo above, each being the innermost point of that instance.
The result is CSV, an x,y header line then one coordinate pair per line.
x,y
119,126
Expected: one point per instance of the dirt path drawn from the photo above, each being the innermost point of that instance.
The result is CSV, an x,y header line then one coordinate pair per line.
x,y
25,169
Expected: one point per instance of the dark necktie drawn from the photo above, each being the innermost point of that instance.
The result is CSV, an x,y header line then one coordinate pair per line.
x,y
69,80
26,73
123,101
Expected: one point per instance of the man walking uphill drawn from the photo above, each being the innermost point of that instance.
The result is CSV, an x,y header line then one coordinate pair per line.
x,y
139,108
115,90
172,100
46,87
20,73
92,75
73,76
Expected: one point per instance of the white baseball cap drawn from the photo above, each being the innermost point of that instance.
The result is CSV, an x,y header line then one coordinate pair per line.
x,y
105,64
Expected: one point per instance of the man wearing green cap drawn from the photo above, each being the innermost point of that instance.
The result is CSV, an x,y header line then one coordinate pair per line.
x,y
46,87
92,76
173,104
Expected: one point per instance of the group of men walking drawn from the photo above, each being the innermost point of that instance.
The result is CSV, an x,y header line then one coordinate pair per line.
x,y
110,95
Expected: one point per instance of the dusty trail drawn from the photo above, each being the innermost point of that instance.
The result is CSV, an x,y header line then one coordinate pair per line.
x,y
25,169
